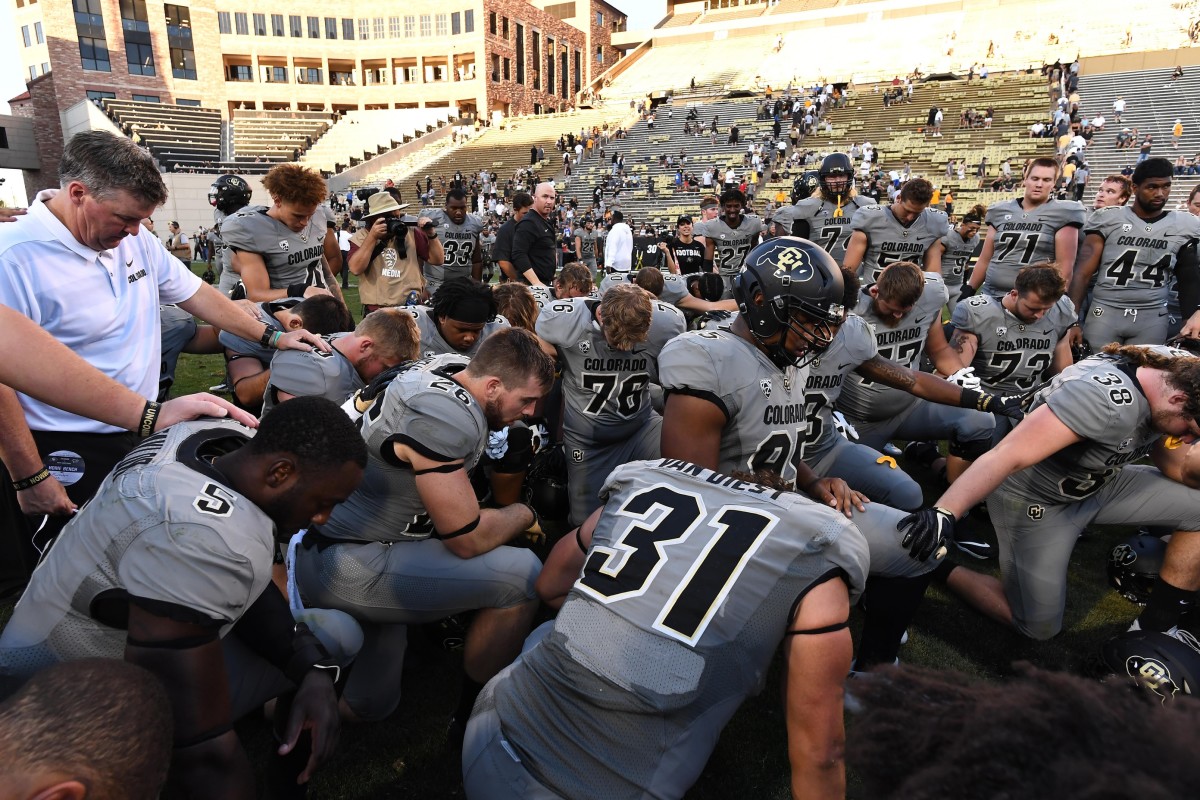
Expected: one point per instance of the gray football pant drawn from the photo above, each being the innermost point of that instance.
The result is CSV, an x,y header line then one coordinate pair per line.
x,y
387,587
1036,539
229,280
923,421
1105,324
867,471
589,463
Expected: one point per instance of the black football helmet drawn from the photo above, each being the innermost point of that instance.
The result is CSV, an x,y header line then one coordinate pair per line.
x,y
805,185
546,485
1164,665
792,275
229,193
837,167
1133,567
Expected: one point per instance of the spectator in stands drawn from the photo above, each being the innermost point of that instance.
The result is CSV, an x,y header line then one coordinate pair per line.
x,y
1118,108
1146,146
1176,132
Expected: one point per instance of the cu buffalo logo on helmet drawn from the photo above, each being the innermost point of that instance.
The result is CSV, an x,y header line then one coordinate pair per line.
x,y
1123,555
1154,675
793,264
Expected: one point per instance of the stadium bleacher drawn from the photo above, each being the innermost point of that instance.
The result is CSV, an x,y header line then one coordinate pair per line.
x,y
177,136
359,135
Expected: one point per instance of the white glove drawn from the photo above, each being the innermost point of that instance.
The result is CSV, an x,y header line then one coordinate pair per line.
x,y
965,378
844,427
497,444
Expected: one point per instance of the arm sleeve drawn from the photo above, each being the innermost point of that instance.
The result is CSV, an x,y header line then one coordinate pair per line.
x,y
1187,271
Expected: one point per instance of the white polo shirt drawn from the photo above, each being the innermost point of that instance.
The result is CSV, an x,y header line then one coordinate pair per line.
x,y
102,305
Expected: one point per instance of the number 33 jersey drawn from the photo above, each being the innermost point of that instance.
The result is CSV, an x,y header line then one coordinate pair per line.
x,y
686,591
1100,401
763,405
165,527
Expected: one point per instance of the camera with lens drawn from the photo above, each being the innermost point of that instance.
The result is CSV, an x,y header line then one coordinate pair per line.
x,y
396,227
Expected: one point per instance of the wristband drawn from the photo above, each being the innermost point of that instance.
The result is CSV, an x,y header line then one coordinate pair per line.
x,y
33,480
275,337
149,418
268,337
980,401
297,289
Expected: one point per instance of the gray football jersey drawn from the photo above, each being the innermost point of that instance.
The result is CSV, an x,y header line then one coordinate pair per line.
x,y
426,409
890,240
221,252
605,391
674,286
432,343
312,373
290,257
1099,400
854,344
1025,237
1012,356
164,526
903,343
1137,265
684,597
731,245
459,243
763,406
828,223
264,312
957,255
587,244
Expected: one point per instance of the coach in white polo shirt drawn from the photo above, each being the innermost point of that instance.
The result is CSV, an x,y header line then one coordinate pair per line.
x,y
77,267
618,247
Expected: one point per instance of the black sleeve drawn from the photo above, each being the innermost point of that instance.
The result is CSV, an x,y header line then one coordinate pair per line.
x,y
1187,271
266,627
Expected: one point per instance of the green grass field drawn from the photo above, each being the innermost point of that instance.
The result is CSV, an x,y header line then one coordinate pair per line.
x,y
404,756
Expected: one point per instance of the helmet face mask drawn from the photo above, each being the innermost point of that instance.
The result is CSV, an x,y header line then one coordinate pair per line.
x,y
790,287
837,167
1133,567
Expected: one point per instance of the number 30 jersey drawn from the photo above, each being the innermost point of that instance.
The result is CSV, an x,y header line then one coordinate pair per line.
x,y
1100,400
164,527
1025,237
1012,356
1138,263
686,592
763,405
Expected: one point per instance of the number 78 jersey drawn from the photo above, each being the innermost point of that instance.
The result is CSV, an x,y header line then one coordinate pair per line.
x,y
1139,258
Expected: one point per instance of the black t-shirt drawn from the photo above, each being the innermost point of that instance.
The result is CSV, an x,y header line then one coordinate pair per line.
x,y
645,253
688,256
534,245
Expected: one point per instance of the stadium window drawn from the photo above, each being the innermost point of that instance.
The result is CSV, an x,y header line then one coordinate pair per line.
x,y
25,35
469,21
599,55
179,101
410,27
578,71
364,29
440,22
93,53
139,57
33,71
393,27
600,19
520,46
297,28
426,26
504,28
507,69
179,38
240,24
550,66
224,24
536,46
492,22
41,37
45,67
455,24
183,63
348,29
314,27
377,27
147,98
495,67
3,139
240,72
95,96
277,25
331,27
275,74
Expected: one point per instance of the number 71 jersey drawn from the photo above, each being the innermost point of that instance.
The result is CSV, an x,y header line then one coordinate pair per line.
x,y
1025,237
1139,259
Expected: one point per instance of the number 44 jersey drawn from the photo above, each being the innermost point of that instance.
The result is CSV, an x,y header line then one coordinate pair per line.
x,y
685,594
1137,266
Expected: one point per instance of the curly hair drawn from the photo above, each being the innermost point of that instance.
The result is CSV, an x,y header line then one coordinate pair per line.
x,y
516,302
576,276
313,429
1183,372
292,183
626,313
456,291
1042,279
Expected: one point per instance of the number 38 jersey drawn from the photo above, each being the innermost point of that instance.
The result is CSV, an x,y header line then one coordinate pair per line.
x,y
1138,262
888,239
763,405
427,410
1099,400
1025,237
164,527
1012,356
605,391
686,592
903,343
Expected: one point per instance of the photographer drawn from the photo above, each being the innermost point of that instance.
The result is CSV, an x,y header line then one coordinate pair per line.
x,y
387,254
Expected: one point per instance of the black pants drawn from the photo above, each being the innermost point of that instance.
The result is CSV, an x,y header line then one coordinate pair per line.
x,y
80,461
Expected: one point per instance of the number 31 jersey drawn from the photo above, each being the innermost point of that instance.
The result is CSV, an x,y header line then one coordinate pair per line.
x,y
763,405
1138,262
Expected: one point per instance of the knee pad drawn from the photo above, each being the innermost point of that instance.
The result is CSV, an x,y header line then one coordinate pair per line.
x,y
969,450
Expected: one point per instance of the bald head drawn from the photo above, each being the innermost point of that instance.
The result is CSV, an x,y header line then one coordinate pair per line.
x,y
543,199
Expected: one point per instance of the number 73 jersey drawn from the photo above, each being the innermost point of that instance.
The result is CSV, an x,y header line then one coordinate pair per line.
x,y
1138,262
1012,355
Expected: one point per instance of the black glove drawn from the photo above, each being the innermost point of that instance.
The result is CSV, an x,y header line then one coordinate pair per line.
x,y
1005,406
382,381
926,532
967,291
